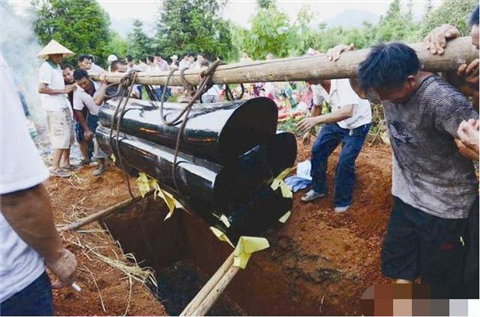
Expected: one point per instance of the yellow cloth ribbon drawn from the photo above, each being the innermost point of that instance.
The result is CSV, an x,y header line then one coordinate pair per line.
x,y
114,159
285,217
245,247
225,221
278,182
144,186
221,235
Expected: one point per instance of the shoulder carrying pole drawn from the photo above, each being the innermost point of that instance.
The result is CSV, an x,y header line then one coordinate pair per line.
x,y
307,68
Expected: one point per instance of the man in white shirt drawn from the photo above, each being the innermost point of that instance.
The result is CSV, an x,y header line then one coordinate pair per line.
x,y
184,63
161,63
348,123
91,95
95,69
53,92
29,240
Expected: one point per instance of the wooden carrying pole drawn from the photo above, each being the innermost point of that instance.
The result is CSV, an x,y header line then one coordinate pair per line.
x,y
102,214
205,291
307,68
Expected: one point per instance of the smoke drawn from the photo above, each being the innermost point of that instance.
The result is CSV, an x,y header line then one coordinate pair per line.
x,y
20,47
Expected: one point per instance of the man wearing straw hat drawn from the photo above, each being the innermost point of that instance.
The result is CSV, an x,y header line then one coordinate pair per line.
x,y
53,92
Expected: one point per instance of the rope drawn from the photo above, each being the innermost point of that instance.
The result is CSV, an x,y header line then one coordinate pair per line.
x,y
229,95
127,83
205,75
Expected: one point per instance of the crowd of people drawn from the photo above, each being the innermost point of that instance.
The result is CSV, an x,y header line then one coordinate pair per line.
x,y
433,128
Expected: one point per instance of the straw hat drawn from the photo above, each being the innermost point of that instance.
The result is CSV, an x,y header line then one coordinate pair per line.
x,y
53,48
174,57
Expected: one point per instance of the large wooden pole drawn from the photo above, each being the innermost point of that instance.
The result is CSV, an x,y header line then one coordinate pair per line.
x,y
306,68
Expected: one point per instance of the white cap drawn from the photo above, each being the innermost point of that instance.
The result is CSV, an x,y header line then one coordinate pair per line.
x,y
111,58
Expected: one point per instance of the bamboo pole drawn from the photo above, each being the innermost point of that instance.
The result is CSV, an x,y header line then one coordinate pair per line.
x,y
102,214
200,297
307,68
212,297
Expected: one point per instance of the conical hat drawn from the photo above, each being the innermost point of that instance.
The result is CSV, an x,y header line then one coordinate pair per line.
x,y
54,48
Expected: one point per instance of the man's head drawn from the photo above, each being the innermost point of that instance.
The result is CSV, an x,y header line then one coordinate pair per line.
x,y
158,56
130,60
84,62
67,71
119,66
390,72
474,23
56,58
200,58
191,58
150,60
82,79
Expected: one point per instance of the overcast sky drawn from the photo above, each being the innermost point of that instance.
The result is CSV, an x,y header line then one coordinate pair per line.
x,y
240,11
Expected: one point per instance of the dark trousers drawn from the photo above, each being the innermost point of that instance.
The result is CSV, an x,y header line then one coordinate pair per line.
x,y
471,266
92,122
34,300
421,245
352,141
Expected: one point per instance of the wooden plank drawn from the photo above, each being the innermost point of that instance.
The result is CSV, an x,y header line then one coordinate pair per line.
x,y
306,68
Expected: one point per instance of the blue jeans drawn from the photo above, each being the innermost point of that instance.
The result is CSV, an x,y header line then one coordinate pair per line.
x,y
34,300
352,141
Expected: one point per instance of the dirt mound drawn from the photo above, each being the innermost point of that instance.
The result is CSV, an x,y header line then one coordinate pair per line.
x,y
105,289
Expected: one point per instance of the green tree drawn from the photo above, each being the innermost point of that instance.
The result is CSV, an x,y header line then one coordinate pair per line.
x,y
194,26
396,25
270,32
118,45
80,25
304,36
265,4
139,44
456,13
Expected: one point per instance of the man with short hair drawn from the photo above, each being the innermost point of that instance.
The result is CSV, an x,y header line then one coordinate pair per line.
x,y
434,185
84,62
94,69
29,240
161,63
67,71
119,66
348,124
184,63
90,95
53,92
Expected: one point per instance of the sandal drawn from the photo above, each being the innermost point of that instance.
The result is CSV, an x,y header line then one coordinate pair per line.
x,y
58,172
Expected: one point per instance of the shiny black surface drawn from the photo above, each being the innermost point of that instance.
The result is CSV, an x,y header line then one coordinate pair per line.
x,y
218,132
239,188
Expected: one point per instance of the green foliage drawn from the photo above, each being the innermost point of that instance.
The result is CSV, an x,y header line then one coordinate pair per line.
x,y
270,33
451,12
194,26
118,45
265,4
80,25
139,44
398,24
